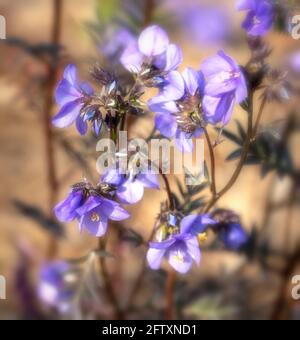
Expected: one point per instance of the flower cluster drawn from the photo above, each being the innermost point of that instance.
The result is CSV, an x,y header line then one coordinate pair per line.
x,y
260,16
229,229
91,206
130,186
72,96
190,100
152,56
184,105
81,105
56,284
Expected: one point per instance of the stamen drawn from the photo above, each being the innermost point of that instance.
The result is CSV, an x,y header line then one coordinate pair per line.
x,y
173,230
179,257
95,217
256,21
225,76
202,237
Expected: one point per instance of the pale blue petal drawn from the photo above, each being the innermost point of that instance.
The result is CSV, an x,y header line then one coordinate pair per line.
x,y
153,41
130,192
155,257
67,115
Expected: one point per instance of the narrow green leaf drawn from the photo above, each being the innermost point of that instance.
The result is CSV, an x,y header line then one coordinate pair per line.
x,y
241,130
232,137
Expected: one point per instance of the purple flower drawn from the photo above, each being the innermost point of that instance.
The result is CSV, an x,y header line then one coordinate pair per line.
x,y
116,42
90,208
294,61
207,24
181,246
65,211
260,16
233,235
56,284
130,187
225,85
180,251
71,96
197,224
96,212
182,93
229,229
152,49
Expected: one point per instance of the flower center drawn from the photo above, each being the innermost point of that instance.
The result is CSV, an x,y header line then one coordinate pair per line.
x,y
95,217
179,257
256,21
173,230
189,121
202,237
227,75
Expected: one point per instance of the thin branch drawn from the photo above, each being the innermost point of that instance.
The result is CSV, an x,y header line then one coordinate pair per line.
x,y
148,12
243,158
48,105
167,185
123,122
168,190
259,116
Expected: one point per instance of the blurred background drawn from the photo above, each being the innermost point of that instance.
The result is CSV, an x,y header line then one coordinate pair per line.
x,y
38,165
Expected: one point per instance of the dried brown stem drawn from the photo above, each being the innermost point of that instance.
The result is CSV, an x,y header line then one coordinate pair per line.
x,y
168,190
259,116
148,12
170,289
